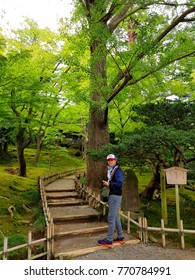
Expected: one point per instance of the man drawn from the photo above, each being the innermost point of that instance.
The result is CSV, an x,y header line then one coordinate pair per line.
x,y
114,183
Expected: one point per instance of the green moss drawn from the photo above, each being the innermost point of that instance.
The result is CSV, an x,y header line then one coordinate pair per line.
x,y
15,240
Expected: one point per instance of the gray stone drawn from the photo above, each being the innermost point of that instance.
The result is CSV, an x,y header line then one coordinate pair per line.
x,y
131,200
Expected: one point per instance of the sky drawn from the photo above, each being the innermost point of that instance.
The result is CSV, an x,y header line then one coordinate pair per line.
x,y
45,12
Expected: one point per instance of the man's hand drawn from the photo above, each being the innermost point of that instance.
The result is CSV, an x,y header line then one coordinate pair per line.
x,y
105,183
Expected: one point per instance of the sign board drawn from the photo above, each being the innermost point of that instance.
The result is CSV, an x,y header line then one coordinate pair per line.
x,y
176,175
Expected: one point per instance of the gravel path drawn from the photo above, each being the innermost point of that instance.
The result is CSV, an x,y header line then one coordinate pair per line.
x,y
140,252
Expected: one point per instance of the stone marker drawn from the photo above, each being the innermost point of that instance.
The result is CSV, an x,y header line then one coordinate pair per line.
x,y
131,200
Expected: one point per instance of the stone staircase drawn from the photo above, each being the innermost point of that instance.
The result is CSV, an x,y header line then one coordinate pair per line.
x,y
77,226
74,220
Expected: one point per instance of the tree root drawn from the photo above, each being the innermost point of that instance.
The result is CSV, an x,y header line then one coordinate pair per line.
x,y
26,208
10,211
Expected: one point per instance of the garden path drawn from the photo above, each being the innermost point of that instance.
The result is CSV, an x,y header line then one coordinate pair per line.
x,y
77,226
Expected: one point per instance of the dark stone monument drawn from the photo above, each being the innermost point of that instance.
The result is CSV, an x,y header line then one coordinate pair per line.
x,y
131,200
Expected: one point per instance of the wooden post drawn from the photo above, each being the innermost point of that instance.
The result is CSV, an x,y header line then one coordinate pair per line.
x,y
5,245
143,230
146,230
52,237
29,244
163,197
177,205
48,243
140,228
181,189
182,235
163,233
128,222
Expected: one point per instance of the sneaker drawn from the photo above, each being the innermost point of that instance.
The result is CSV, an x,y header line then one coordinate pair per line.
x,y
105,242
119,240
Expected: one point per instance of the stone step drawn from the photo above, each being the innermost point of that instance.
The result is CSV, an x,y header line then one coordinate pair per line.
x,y
86,230
72,226
66,202
79,217
54,190
61,184
63,194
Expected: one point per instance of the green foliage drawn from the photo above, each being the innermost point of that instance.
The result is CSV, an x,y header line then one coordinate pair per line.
x,y
166,136
17,239
39,224
13,241
176,113
187,201
32,196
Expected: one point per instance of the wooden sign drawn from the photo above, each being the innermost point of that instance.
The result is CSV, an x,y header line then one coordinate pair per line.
x,y
176,175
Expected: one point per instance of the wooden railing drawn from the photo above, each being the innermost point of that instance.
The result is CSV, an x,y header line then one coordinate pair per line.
x,y
29,245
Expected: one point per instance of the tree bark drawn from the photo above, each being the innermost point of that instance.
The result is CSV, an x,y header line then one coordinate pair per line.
x,y
21,161
21,145
38,150
98,113
1,150
4,151
153,185
98,137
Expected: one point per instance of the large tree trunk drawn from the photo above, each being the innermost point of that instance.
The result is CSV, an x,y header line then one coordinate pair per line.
x,y
5,148
102,23
153,184
4,151
151,187
98,137
98,116
22,162
21,145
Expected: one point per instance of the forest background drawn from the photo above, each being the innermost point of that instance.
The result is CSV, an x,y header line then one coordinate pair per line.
x,y
117,77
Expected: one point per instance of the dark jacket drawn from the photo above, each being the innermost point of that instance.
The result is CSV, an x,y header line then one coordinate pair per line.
x,y
116,182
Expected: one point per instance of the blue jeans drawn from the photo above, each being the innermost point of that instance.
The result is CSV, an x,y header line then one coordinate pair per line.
x,y
114,223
